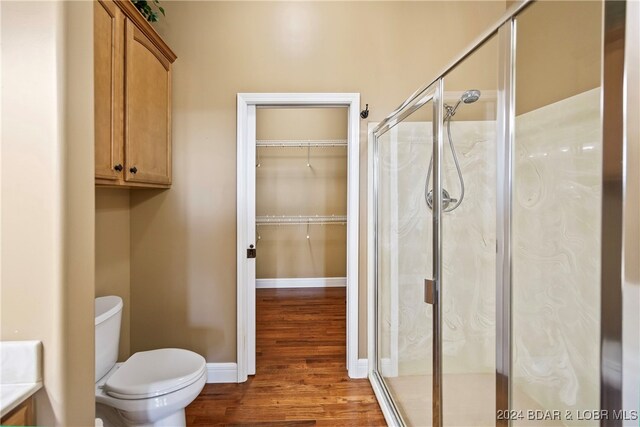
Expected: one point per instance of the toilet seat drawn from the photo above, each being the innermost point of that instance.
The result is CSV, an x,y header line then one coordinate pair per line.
x,y
154,373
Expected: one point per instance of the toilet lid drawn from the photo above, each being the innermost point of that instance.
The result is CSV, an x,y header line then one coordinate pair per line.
x,y
154,373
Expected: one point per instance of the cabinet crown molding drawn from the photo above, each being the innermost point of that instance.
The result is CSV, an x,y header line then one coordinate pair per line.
x,y
136,17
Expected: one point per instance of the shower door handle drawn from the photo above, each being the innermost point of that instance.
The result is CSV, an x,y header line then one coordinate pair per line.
x,y
429,291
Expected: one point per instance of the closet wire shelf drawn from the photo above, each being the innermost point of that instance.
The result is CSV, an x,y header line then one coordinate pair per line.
x,y
301,143
308,144
300,220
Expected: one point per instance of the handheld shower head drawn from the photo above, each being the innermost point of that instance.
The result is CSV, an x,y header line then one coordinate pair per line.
x,y
470,96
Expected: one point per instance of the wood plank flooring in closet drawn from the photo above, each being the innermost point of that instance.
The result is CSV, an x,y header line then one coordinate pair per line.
x,y
301,376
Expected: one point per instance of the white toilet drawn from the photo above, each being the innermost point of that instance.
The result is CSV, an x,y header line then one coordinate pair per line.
x,y
151,388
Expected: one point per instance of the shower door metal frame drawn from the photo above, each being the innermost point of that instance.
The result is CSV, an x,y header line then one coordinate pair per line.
x,y
432,93
631,215
619,233
436,374
505,30
612,266
504,190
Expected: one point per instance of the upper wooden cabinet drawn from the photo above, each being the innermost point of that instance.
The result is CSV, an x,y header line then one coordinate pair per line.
x,y
108,40
148,109
132,67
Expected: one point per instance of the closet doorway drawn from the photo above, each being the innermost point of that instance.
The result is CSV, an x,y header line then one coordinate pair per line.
x,y
283,234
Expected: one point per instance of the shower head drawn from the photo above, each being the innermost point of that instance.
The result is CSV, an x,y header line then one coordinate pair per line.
x,y
470,96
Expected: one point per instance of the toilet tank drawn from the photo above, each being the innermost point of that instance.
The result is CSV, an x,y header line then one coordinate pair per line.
x,y
108,313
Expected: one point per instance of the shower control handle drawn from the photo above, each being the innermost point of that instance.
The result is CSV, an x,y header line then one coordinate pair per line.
x,y
446,199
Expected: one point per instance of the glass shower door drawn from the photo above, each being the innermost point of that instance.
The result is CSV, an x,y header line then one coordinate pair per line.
x,y
558,206
404,258
524,239
469,186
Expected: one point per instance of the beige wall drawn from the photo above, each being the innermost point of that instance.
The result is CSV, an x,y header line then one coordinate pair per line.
x,y
47,198
301,123
555,52
112,254
183,264
285,185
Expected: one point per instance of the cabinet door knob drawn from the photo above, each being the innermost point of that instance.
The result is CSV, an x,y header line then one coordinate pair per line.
x,y
118,167
133,170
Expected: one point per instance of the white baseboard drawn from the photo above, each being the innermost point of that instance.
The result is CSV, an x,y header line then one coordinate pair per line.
x,y
222,372
362,369
228,372
313,282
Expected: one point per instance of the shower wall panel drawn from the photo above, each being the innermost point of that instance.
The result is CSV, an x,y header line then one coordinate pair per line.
x,y
556,253
468,313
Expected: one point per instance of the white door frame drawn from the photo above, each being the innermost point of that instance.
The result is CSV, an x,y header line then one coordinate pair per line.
x,y
246,145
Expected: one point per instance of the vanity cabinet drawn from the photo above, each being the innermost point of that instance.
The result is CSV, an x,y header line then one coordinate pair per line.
x,y
132,71
22,415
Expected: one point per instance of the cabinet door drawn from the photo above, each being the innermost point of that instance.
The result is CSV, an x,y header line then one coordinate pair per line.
x,y
108,89
148,114
22,415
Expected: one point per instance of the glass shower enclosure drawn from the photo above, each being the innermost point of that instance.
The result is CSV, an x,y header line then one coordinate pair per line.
x,y
488,252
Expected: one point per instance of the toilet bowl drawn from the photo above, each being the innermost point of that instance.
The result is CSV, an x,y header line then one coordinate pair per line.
x,y
151,388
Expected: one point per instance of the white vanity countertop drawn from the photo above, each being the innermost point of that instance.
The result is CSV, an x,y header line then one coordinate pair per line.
x,y
20,372
11,395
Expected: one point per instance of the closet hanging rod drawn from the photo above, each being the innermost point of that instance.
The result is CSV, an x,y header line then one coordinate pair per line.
x,y
301,143
301,220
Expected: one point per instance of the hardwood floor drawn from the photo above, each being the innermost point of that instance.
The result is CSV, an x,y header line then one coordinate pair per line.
x,y
301,376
